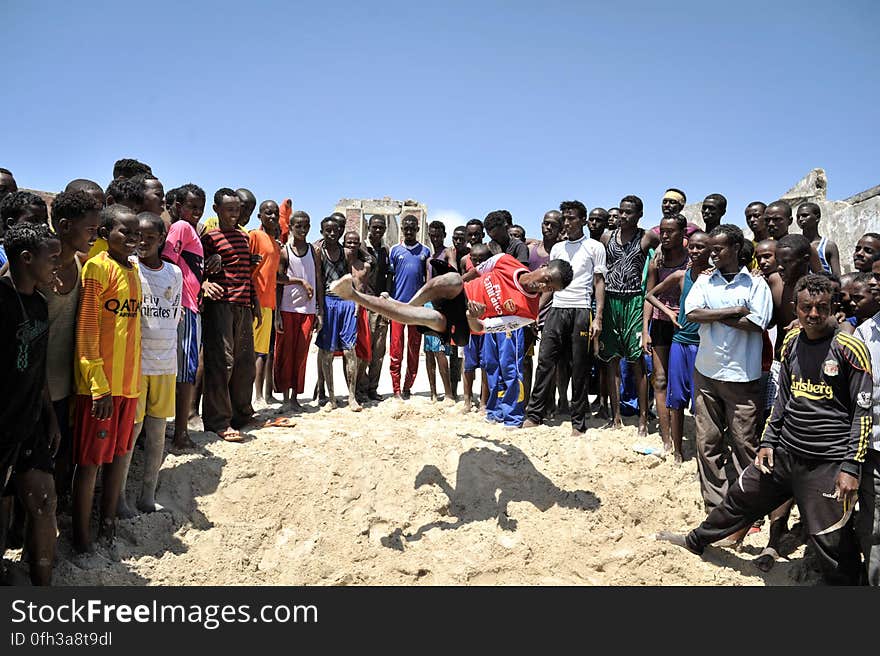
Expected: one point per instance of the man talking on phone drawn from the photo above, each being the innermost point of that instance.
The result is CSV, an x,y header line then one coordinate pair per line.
x,y
813,444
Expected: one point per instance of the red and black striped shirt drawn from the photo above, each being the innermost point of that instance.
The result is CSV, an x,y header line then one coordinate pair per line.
x,y
235,275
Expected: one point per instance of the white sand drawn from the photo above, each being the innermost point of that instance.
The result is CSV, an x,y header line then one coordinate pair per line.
x,y
417,493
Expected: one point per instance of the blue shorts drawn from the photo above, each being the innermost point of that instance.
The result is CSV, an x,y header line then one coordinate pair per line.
x,y
189,339
339,331
472,353
434,345
680,376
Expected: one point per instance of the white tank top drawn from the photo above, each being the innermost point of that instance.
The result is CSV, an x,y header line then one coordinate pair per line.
x,y
294,297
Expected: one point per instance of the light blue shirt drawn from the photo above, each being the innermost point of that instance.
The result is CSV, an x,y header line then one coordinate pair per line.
x,y
730,354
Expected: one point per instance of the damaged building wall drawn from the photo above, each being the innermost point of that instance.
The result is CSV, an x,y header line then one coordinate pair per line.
x,y
843,221
358,211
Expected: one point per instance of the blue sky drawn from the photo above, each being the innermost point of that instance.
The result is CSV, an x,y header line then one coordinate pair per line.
x,y
465,106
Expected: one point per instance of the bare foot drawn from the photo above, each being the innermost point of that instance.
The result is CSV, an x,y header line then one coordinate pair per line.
x,y
354,406
330,405
181,442
678,460
146,507
614,424
399,396
575,432
407,394
675,538
643,430
123,511
466,408
107,532
343,288
528,423
434,398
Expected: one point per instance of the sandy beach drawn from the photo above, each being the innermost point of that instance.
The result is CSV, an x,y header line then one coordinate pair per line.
x,y
416,492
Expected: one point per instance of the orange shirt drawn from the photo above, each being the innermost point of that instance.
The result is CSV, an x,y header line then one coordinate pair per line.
x,y
266,271
284,214
108,329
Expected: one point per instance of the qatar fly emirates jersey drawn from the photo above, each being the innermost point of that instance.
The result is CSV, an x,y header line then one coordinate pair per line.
x,y
108,329
160,314
508,305
823,410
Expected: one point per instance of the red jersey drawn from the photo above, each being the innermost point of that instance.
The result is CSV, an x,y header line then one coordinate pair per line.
x,y
499,290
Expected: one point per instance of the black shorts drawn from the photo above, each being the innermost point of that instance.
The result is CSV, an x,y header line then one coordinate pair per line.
x,y
661,332
458,330
33,453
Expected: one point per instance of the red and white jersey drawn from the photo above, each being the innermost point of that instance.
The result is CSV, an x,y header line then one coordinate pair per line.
x,y
499,290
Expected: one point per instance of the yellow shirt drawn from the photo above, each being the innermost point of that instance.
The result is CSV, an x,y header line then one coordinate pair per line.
x,y
99,246
108,329
214,223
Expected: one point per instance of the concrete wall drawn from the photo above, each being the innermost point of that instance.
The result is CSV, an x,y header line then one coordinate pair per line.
x,y
843,221
358,211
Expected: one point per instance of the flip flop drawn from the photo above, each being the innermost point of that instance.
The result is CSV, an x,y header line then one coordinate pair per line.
x,y
280,422
231,435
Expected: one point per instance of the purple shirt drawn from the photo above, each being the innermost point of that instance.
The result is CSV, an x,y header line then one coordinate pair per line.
x,y
537,261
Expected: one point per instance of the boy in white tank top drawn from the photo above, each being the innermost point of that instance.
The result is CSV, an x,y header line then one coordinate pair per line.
x,y
300,299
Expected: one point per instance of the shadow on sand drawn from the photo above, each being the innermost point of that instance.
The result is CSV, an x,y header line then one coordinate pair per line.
x,y
488,478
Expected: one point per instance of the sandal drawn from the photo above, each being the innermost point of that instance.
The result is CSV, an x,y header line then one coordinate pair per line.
x,y
280,422
231,435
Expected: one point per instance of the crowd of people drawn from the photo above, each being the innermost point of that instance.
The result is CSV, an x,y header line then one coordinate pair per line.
x,y
124,310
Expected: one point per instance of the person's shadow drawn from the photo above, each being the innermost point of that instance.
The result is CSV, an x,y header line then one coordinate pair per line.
x,y
487,480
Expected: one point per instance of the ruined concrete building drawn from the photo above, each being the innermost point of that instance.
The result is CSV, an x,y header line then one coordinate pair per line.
x,y
358,212
844,221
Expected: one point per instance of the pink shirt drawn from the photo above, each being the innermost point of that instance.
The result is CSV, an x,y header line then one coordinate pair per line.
x,y
184,248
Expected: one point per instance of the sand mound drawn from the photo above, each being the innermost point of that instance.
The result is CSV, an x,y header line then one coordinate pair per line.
x,y
415,492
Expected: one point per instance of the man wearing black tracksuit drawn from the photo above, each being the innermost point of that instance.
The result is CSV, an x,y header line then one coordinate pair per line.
x,y
813,444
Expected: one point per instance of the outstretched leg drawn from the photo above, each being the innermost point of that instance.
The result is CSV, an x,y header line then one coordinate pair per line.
x,y
446,287
395,310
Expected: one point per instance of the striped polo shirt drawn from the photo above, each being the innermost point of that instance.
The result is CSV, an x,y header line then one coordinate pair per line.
x,y
235,274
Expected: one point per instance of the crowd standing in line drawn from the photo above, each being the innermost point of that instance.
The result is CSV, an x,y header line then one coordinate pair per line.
x,y
126,310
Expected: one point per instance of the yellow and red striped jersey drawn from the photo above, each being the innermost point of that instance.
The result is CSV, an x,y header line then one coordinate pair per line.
x,y
108,329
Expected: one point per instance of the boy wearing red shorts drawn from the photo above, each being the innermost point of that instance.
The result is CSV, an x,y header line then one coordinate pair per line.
x,y
107,372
